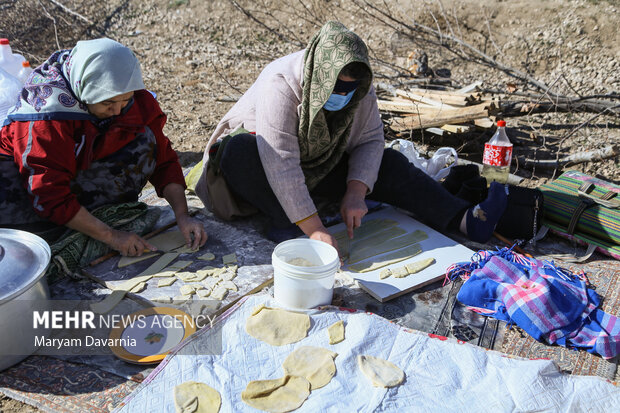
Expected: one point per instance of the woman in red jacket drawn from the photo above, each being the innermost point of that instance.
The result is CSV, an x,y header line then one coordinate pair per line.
x,y
84,134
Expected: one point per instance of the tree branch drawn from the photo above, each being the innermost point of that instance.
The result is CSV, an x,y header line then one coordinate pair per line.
x,y
68,10
417,27
597,155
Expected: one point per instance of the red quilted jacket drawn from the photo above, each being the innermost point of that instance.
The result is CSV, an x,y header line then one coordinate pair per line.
x,y
54,150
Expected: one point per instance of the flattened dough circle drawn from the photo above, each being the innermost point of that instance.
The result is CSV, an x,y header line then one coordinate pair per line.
x,y
196,397
315,364
277,327
276,396
380,372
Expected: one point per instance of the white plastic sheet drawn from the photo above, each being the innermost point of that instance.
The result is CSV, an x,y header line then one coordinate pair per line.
x,y
442,375
437,167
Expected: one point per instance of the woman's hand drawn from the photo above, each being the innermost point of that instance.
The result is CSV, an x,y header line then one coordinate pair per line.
x,y
193,231
175,195
127,243
325,237
353,208
314,229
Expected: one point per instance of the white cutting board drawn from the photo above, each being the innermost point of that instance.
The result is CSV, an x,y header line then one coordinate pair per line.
x,y
445,251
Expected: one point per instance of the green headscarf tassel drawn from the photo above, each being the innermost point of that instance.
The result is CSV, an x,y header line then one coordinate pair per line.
x,y
323,135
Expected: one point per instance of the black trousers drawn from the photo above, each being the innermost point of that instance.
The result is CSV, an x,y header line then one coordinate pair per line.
x,y
399,183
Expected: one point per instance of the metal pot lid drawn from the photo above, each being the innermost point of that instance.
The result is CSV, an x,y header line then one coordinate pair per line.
x,y
23,260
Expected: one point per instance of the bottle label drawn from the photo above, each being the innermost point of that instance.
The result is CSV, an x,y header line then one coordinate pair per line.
x,y
497,155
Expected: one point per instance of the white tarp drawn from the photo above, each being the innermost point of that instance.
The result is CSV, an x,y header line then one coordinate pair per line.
x,y
441,374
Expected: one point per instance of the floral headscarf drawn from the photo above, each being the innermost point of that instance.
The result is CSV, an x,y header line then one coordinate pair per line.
x,y
91,72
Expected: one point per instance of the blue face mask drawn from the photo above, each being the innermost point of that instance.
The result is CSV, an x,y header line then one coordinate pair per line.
x,y
337,102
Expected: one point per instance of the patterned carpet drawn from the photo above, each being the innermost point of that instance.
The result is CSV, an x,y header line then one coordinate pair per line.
x,y
55,385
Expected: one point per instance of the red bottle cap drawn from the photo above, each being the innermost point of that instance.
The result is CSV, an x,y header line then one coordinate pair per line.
x,y
26,64
4,41
501,123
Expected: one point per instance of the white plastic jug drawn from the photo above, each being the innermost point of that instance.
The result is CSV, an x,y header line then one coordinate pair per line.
x,y
24,72
9,61
10,87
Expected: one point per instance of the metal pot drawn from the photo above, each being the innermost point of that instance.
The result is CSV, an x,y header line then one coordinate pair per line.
x,y
24,257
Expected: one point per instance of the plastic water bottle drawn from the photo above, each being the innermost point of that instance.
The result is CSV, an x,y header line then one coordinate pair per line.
x,y
10,87
9,61
497,156
25,72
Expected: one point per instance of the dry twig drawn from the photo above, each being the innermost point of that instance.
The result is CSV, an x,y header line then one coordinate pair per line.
x,y
68,10
53,21
446,41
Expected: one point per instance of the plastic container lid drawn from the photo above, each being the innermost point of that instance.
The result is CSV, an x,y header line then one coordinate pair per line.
x,y
501,123
26,63
4,41
23,260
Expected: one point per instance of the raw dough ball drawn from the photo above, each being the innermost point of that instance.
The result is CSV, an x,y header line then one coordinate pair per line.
x,y
196,397
336,332
315,364
280,395
381,372
277,327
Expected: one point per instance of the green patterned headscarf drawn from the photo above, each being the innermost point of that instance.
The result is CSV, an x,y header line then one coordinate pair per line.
x,y
323,135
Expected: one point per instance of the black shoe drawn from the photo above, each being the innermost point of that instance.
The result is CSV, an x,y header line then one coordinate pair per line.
x,y
474,190
459,174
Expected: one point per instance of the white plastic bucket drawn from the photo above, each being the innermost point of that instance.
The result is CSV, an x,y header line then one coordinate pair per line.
x,y
297,286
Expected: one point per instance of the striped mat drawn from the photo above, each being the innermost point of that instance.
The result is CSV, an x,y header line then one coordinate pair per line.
x,y
598,224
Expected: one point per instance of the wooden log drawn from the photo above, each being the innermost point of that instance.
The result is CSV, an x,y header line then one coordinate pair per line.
x,y
522,108
436,131
406,106
606,152
470,88
449,97
443,117
484,123
446,99
416,97
456,128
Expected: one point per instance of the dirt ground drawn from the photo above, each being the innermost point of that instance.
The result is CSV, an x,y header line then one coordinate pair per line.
x,y
198,56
